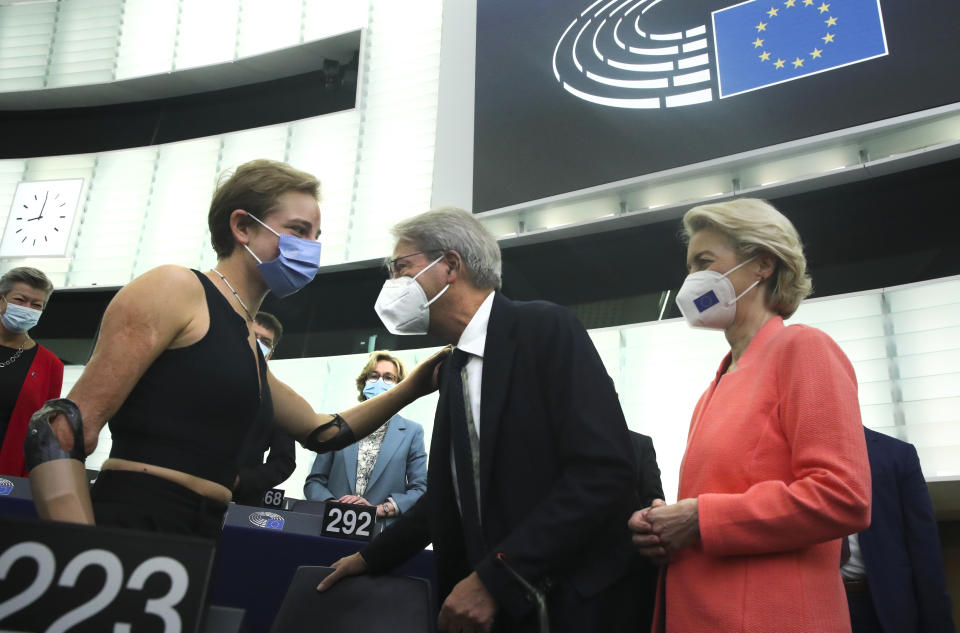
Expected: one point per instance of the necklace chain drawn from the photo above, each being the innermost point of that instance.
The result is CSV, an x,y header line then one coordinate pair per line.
x,y
233,290
15,356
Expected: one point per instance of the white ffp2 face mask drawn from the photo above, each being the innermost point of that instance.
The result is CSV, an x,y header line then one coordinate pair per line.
x,y
403,306
707,299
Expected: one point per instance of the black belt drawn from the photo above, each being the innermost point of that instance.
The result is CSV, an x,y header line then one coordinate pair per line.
x,y
858,585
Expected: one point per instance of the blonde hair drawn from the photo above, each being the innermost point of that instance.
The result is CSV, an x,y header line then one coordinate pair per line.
x,y
375,358
254,187
753,227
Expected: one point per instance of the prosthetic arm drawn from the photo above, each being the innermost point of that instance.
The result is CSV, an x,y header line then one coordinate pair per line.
x,y
342,439
57,477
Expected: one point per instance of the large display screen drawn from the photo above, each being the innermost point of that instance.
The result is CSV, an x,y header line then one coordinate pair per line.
x,y
571,93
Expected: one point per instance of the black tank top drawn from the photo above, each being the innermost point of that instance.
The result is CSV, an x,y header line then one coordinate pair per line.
x,y
194,406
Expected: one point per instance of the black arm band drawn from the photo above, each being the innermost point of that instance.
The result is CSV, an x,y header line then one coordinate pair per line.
x,y
342,439
41,444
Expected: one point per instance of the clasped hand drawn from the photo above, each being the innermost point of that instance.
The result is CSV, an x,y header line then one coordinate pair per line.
x,y
662,528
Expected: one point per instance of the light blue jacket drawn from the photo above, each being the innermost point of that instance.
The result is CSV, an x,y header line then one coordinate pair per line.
x,y
400,471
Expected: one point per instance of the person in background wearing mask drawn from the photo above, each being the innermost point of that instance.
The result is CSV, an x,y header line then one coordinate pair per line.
x,y
178,373
775,471
257,476
30,374
388,468
532,476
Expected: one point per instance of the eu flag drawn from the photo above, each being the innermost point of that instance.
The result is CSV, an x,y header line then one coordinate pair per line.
x,y
761,43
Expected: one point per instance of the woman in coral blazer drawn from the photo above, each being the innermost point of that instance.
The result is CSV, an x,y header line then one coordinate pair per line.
x,y
30,374
775,471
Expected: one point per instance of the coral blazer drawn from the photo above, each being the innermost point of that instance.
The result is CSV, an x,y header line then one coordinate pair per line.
x,y
43,382
777,460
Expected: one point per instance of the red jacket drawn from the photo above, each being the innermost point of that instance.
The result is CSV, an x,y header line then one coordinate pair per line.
x,y
777,460
44,380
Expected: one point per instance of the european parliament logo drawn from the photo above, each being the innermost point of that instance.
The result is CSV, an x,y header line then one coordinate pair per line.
x,y
6,487
611,55
268,520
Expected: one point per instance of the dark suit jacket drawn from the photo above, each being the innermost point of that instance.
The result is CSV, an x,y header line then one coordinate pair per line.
x,y
901,548
257,476
557,470
649,486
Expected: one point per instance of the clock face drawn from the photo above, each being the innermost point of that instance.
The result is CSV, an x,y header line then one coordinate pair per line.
x,y
41,218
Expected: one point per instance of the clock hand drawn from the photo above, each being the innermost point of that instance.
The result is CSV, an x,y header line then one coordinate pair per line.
x,y
47,195
41,208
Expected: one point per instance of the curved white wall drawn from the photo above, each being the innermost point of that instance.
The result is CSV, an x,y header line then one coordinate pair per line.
x,y
76,42
147,206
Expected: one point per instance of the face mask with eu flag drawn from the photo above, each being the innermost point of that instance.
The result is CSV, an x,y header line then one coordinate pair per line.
x,y
294,268
707,299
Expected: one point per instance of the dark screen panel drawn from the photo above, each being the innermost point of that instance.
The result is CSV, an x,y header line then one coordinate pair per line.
x,y
535,137
29,133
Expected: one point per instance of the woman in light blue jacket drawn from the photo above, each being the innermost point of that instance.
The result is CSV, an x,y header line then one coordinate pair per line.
x,y
388,468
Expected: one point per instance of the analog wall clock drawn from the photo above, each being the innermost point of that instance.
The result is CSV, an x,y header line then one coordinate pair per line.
x,y
41,218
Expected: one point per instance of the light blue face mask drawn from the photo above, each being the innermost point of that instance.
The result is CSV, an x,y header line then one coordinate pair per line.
x,y
294,268
375,387
18,319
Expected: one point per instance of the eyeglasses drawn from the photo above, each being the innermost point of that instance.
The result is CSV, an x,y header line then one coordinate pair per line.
x,y
396,266
388,378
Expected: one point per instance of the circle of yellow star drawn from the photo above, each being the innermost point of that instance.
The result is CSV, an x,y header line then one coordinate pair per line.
x,y
824,7
773,12
762,26
832,21
816,53
757,43
790,3
779,63
797,63
808,3
828,38
765,56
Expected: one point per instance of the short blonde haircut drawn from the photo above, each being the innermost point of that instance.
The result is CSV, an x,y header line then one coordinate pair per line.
x,y
375,358
753,227
256,188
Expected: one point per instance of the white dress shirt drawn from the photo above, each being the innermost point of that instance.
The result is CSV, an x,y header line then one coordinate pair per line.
x,y
473,340
854,568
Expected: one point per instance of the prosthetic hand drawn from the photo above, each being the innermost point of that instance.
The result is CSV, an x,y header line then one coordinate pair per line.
x,y
342,439
57,477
